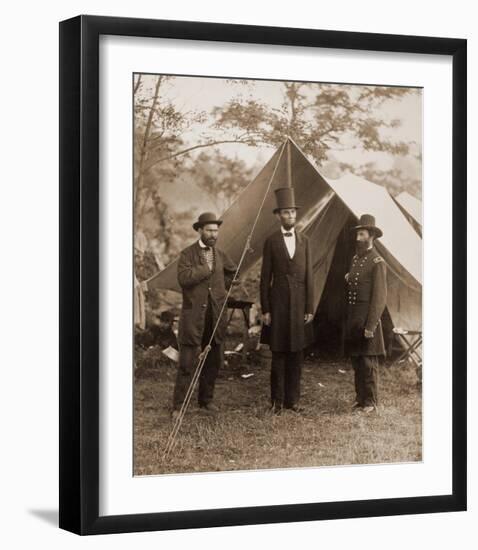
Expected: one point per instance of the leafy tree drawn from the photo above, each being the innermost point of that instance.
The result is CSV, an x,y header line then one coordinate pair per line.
x,y
160,150
321,118
220,176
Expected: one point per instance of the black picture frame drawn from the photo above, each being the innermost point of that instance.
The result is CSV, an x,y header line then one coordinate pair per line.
x,y
79,274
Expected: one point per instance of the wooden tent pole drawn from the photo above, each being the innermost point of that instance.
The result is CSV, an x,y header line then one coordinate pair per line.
x,y
289,165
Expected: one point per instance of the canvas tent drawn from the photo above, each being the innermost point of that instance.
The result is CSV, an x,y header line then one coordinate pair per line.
x,y
412,209
329,209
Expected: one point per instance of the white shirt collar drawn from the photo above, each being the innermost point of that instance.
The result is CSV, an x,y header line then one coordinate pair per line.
x,y
202,245
287,230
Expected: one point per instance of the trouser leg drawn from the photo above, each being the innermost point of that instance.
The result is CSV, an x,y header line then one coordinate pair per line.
x,y
370,380
293,369
357,366
214,361
209,373
188,358
278,364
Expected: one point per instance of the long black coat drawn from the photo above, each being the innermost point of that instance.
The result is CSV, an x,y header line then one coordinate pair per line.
x,y
287,291
366,296
199,285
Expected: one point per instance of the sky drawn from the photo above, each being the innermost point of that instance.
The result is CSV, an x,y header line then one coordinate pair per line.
x,y
203,93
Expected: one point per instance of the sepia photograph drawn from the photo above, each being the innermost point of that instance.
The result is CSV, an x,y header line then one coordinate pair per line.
x,y
277,274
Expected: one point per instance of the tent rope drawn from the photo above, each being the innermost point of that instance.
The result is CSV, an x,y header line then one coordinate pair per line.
x,y
203,355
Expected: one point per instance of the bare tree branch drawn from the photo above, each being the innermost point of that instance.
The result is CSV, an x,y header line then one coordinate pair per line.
x,y
136,86
144,149
200,146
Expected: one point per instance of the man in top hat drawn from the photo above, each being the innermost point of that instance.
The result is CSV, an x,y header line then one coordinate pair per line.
x,y
366,295
287,300
204,274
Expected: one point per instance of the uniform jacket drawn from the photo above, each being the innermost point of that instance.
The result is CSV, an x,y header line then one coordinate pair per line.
x,y
366,296
199,285
287,291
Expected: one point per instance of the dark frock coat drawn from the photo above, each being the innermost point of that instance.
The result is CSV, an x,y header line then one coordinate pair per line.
x,y
287,292
366,295
199,284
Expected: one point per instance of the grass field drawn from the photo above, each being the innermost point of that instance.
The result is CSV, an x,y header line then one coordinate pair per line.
x,y
244,435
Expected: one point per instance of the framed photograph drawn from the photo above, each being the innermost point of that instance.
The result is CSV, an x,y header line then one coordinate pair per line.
x,y
262,275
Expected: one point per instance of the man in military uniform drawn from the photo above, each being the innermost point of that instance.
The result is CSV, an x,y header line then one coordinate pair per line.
x,y
204,274
366,295
287,302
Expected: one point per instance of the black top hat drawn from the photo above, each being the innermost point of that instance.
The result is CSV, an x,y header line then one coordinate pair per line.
x,y
204,219
367,221
285,198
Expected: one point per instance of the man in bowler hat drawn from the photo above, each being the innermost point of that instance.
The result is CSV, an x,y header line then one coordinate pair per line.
x,y
204,274
366,295
286,290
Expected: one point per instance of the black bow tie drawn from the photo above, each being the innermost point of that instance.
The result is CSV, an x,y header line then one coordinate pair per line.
x,y
288,234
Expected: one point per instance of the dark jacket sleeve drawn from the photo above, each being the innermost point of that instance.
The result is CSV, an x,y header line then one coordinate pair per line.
x,y
266,277
379,296
309,281
191,273
229,269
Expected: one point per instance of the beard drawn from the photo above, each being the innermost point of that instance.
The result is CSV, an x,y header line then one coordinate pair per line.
x,y
361,246
209,242
288,225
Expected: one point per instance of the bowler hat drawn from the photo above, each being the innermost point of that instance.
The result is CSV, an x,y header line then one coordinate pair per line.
x,y
367,221
204,219
285,198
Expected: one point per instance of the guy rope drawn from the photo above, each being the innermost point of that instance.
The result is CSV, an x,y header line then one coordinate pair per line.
x,y
204,353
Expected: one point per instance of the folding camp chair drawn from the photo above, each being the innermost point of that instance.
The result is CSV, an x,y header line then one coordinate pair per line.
x,y
411,342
